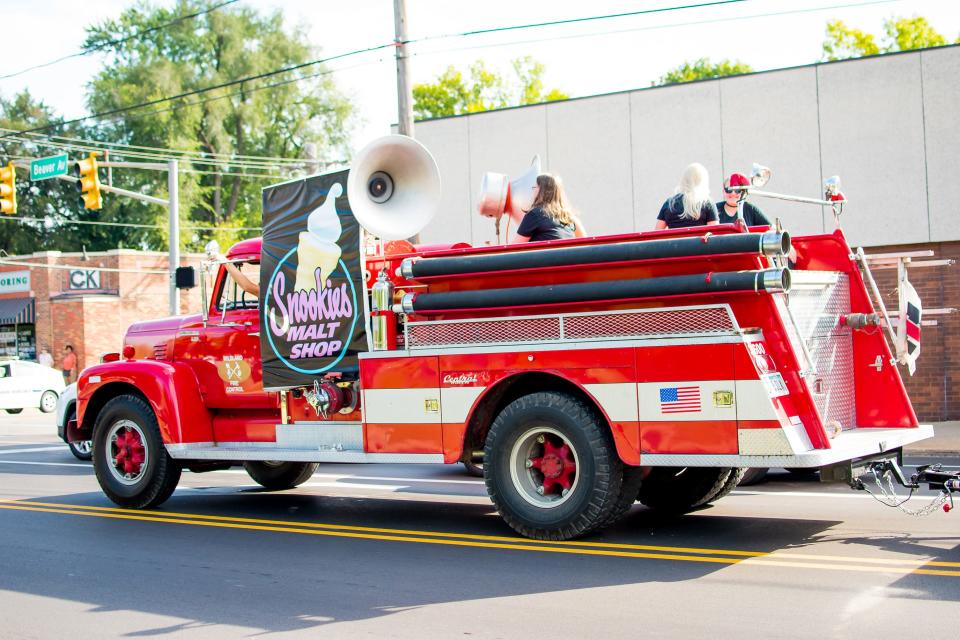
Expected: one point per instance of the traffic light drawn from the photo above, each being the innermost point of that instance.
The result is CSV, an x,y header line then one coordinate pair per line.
x,y
8,189
88,184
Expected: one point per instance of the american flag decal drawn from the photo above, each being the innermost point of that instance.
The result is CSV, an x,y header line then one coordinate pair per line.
x,y
680,399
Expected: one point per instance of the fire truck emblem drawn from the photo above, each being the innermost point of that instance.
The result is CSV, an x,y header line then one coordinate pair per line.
x,y
233,370
466,378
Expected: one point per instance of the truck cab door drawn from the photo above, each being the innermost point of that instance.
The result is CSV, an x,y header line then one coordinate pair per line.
x,y
226,352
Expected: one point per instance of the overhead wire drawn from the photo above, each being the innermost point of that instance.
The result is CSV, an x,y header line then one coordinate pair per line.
x,y
133,225
113,43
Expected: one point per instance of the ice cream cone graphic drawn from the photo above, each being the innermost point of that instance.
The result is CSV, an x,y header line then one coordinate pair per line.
x,y
318,248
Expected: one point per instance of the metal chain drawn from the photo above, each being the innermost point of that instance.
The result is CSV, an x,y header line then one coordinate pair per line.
x,y
891,499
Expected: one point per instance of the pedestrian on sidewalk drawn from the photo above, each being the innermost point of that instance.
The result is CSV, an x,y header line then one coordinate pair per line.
x,y
45,358
69,364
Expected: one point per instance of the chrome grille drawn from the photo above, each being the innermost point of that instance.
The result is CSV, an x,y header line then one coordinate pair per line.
x,y
641,323
160,351
817,300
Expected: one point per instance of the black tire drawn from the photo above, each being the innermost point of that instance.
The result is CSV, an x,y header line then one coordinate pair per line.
x,y
736,474
754,475
474,469
514,440
129,420
629,489
14,411
48,402
681,489
277,476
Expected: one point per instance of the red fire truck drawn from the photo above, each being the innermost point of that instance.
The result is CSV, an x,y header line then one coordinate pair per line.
x,y
586,374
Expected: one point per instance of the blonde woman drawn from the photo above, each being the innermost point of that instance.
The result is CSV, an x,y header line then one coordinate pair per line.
x,y
550,217
691,206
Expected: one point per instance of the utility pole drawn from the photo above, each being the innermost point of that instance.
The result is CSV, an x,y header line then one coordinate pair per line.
x,y
173,194
404,91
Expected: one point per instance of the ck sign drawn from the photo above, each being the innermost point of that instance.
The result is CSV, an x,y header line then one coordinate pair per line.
x,y
84,279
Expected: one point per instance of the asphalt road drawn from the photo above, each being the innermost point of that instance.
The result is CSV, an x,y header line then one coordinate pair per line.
x,y
391,551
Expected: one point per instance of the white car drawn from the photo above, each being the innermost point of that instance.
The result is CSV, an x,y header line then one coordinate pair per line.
x,y
28,384
67,411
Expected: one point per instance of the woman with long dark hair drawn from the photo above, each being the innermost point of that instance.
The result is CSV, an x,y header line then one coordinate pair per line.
x,y
550,217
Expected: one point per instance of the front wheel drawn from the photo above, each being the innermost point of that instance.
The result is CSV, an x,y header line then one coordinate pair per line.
x,y
131,463
276,476
14,411
551,467
48,401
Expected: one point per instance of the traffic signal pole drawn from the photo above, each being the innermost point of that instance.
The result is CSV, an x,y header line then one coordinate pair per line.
x,y
172,203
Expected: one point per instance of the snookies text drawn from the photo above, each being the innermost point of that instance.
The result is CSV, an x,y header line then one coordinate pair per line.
x,y
310,318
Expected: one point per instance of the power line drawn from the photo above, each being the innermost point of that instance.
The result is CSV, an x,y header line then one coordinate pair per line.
x,y
113,43
222,85
82,267
134,225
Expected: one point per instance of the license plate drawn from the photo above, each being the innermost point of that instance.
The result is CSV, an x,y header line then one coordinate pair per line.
x,y
775,385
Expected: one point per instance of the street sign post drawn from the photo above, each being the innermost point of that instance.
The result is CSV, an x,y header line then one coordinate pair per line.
x,y
49,167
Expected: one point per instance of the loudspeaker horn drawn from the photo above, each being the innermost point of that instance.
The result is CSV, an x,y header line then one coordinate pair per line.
x,y
394,187
499,195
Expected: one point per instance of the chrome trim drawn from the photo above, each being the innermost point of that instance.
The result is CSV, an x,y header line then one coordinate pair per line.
x,y
773,243
854,443
776,280
270,451
406,303
406,268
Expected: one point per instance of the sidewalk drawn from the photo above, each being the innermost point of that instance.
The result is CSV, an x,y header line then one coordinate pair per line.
x,y
945,441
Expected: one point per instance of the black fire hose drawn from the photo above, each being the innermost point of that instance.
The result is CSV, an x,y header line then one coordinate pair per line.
x,y
770,243
769,280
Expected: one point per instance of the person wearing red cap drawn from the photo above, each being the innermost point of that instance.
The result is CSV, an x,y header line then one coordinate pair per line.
x,y
728,208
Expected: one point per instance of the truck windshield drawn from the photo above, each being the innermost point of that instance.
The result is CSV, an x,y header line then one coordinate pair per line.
x,y
232,295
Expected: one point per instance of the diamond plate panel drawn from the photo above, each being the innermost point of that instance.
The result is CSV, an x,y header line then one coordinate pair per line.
x,y
816,309
649,323
420,335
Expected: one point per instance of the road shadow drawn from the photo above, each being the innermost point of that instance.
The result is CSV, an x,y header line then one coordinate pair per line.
x,y
279,582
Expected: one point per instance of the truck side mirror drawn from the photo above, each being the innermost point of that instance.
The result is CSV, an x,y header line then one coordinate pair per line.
x,y
185,278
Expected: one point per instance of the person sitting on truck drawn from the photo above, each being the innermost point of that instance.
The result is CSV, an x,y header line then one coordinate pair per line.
x,y
245,283
691,206
727,210
550,218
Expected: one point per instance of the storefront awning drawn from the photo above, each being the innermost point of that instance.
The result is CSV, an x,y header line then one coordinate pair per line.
x,y
17,311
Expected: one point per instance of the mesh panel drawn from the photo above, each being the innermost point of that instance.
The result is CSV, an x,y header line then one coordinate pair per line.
x,y
633,324
491,332
650,323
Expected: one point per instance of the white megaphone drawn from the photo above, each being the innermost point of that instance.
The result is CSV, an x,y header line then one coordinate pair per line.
x,y
394,187
499,195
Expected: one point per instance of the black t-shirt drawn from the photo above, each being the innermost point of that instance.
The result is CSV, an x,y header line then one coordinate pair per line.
x,y
537,225
672,213
751,215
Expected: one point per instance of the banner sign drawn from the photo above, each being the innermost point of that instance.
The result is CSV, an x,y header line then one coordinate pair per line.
x,y
14,281
311,285
84,278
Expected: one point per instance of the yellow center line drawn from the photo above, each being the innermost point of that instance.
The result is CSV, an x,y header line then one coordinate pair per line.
x,y
371,536
404,532
753,558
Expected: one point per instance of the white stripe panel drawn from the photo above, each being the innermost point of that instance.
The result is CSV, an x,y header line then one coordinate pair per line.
x,y
618,400
649,394
400,406
753,401
457,402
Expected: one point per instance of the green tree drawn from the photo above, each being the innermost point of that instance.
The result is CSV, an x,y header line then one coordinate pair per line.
x,y
900,34
240,120
451,94
703,69
55,201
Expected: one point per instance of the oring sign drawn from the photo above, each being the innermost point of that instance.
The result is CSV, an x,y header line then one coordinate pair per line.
x,y
81,279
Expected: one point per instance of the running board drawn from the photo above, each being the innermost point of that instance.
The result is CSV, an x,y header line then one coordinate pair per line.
x,y
242,451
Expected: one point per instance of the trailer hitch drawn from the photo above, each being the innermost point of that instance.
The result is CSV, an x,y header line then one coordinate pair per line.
x,y
932,475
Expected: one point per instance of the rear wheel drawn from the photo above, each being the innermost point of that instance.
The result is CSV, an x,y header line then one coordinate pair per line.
x,y
48,401
551,467
276,475
81,449
680,489
131,463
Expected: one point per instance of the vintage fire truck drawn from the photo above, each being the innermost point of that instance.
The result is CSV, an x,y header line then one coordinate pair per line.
x,y
585,374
